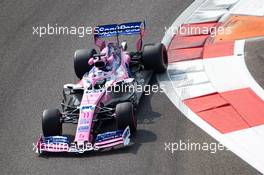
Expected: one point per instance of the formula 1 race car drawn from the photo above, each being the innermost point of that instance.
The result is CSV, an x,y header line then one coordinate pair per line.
x,y
105,93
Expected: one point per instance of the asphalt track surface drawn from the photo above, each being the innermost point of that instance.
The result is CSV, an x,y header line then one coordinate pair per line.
x,y
33,71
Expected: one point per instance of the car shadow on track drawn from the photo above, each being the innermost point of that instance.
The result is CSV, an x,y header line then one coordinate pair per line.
x,y
145,113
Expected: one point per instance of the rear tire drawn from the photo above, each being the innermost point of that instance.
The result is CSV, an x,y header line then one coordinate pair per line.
x,y
81,58
155,57
51,122
125,117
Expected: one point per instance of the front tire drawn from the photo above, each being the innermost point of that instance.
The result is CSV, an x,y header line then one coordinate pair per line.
x,y
125,117
51,122
81,58
154,56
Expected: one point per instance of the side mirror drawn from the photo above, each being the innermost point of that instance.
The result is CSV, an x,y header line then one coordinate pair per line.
x,y
124,45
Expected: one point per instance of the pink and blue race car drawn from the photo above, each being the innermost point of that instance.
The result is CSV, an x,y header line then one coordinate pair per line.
x,y
105,93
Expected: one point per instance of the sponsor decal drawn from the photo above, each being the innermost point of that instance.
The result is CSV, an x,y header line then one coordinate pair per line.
x,y
83,121
55,139
83,128
89,107
109,135
118,29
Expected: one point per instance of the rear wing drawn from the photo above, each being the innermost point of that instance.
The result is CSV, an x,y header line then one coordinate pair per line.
x,y
114,30
110,30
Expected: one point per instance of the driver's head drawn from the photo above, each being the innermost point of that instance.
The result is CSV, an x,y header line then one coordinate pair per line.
x,y
101,62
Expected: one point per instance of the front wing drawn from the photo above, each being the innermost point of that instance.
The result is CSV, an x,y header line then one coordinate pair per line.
x,y
113,139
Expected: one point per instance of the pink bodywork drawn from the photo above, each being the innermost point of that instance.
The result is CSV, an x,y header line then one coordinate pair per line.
x,y
92,99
